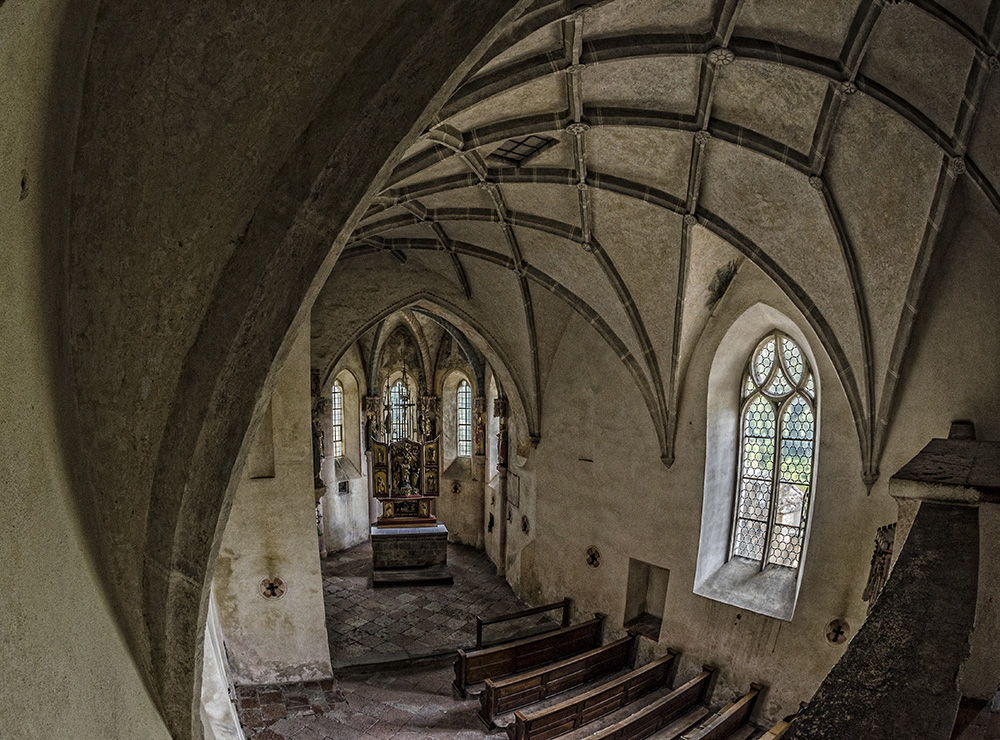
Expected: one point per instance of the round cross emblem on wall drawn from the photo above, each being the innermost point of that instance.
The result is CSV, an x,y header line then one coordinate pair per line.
x,y
593,557
837,632
272,588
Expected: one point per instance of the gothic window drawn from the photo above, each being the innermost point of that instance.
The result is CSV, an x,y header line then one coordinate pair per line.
x,y
464,419
337,406
776,453
399,405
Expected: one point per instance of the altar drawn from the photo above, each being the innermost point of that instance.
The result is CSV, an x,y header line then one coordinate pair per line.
x,y
409,545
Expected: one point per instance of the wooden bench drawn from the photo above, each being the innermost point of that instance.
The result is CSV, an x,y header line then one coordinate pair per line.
x,y
507,694
522,655
728,719
594,704
674,713
483,621
779,729
781,726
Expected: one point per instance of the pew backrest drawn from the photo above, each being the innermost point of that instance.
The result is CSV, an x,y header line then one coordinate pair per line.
x,y
591,705
674,713
522,655
506,694
728,719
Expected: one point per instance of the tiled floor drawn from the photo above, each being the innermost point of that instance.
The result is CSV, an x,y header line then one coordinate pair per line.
x,y
364,623
367,626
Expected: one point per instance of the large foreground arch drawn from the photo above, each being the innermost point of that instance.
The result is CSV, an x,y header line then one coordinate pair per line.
x,y
184,286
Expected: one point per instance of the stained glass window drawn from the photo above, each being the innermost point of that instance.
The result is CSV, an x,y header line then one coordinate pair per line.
x,y
777,432
337,412
464,419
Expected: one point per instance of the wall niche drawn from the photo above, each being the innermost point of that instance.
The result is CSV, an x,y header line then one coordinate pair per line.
x,y
645,598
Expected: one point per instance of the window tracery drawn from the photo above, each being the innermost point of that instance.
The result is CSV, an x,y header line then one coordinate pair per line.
x,y
337,419
776,453
399,410
464,426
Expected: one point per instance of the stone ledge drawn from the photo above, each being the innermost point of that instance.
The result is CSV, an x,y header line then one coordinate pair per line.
x,y
958,471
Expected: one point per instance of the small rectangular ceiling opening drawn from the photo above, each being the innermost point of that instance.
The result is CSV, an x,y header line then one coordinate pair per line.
x,y
645,598
518,151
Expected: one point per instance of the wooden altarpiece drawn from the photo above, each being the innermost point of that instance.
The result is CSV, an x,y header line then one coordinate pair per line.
x,y
405,478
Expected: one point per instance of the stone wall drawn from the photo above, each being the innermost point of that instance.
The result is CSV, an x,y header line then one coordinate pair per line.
x,y
600,484
67,668
271,534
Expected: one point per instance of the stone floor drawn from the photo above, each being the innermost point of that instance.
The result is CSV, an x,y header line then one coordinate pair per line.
x,y
391,627
401,704
365,624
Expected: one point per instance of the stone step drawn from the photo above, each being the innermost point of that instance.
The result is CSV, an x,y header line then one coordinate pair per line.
x,y
432,575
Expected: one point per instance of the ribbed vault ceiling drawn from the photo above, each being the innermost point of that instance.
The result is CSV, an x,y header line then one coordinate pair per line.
x,y
827,143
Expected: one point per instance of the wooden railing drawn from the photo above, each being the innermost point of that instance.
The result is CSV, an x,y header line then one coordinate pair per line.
x,y
480,622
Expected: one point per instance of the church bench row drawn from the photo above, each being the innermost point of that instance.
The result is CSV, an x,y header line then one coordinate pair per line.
x,y
727,720
594,704
681,714
521,655
506,694
674,713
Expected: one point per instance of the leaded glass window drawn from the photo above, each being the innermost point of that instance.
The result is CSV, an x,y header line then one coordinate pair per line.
x,y
399,404
464,419
777,434
337,406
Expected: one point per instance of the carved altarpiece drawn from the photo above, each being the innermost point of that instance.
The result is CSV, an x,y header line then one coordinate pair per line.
x,y
405,475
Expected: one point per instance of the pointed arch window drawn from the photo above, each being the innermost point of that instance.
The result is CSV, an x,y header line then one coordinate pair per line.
x,y
776,453
464,419
399,405
337,414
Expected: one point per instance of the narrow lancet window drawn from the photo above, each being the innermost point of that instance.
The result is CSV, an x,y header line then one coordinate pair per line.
x,y
337,413
464,419
399,403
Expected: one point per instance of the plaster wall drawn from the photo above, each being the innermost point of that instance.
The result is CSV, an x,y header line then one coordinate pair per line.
x,y
521,504
600,483
346,514
460,487
491,489
67,670
272,533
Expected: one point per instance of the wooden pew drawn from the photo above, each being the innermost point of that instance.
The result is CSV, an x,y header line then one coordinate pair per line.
x,y
779,729
674,713
728,719
522,655
579,710
506,694
483,621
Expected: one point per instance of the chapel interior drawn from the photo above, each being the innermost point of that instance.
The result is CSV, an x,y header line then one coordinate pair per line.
x,y
685,311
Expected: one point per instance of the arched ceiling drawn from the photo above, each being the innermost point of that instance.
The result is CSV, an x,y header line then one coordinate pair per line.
x,y
822,142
